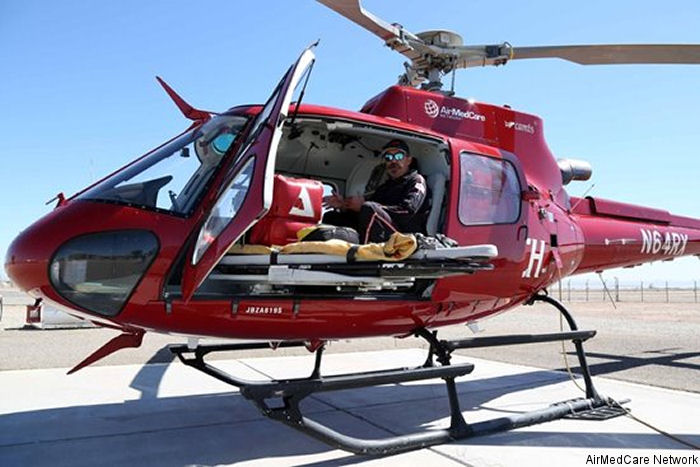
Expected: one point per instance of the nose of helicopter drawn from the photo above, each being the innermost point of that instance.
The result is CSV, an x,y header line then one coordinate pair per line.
x,y
26,262
95,271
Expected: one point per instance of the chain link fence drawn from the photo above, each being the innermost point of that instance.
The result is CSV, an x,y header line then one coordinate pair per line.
x,y
612,290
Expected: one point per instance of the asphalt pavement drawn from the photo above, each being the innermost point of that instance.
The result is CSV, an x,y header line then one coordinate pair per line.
x,y
143,407
172,415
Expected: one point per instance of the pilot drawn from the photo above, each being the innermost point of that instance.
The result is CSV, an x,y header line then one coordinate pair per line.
x,y
400,204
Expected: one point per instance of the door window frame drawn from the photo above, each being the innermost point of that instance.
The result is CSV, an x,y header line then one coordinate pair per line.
x,y
513,163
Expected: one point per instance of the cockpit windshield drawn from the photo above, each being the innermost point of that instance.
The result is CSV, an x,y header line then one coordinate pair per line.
x,y
173,177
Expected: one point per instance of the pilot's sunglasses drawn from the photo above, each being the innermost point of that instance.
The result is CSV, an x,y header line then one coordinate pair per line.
x,y
394,155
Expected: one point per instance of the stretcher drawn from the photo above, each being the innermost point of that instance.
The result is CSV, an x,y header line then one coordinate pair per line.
x,y
348,267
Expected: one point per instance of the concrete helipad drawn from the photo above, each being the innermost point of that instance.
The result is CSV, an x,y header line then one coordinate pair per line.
x,y
169,414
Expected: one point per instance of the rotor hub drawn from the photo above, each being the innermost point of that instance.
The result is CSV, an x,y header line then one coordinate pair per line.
x,y
441,38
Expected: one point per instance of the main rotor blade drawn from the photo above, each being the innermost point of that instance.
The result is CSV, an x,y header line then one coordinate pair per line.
x,y
395,36
610,54
352,10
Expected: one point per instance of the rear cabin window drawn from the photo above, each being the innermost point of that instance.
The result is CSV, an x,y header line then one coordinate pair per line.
x,y
489,191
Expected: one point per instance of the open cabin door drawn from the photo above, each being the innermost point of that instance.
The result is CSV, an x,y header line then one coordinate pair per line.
x,y
246,191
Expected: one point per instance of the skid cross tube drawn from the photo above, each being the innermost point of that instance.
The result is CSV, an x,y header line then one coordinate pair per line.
x,y
293,391
494,341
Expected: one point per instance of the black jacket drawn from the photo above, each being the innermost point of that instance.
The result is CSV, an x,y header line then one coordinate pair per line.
x,y
406,199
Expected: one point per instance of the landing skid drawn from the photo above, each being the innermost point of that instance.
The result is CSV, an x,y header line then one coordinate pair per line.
x,y
291,392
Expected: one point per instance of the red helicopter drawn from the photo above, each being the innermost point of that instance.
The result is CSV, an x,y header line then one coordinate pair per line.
x,y
199,237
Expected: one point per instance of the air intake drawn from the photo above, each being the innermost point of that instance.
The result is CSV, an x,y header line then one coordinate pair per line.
x,y
572,169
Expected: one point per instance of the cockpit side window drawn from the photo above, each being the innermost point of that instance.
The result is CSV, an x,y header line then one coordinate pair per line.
x,y
173,177
489,191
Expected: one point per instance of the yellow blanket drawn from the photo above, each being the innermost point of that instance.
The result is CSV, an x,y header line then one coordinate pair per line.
x,y
398,247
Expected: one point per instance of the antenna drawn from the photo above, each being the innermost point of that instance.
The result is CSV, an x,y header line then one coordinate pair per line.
x,y
605,287
583,196
187,110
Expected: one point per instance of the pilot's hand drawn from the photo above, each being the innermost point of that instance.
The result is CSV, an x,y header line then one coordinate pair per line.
x,y
354,203
335,201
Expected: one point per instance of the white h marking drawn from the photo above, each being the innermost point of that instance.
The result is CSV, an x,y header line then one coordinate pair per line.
x,y
535,256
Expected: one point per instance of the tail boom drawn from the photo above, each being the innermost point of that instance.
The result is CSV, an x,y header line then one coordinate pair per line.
x,y
624,235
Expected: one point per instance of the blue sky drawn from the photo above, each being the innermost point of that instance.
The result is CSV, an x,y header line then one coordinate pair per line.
x,y
79,98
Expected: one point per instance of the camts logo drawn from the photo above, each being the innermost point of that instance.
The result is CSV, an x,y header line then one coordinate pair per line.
x,y
524,127
431,108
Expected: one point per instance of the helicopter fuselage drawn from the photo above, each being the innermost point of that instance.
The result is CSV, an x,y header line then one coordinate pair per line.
x,y
544,236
